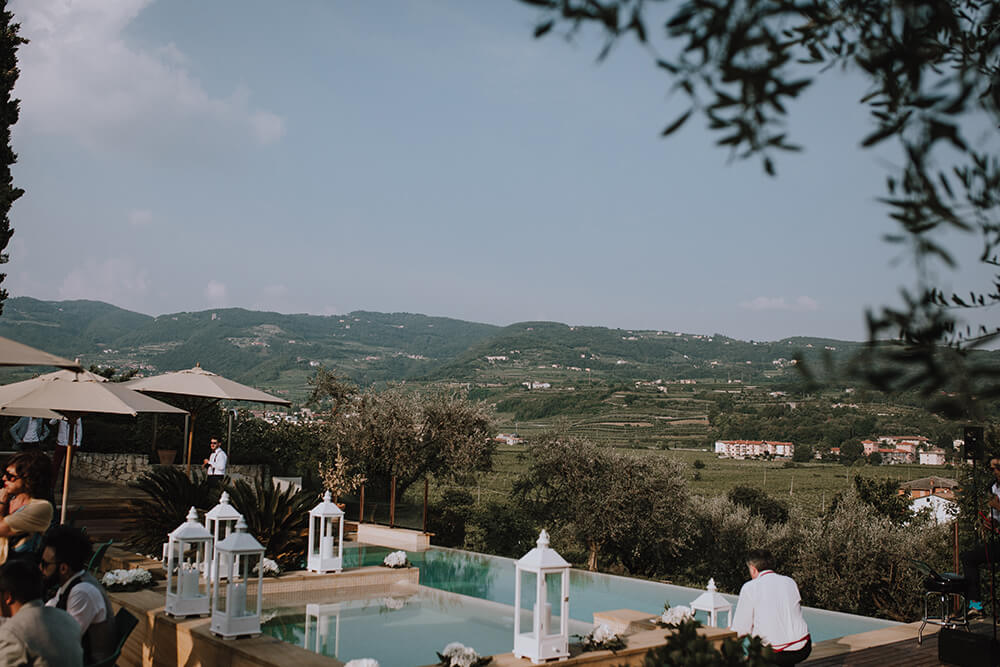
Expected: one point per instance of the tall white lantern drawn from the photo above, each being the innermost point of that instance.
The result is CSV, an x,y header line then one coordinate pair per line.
x,y
543,642
237,584
220,521
188,548
714,604
326,537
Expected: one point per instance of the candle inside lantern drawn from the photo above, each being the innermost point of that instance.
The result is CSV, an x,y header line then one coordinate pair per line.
x,y
326,550
189,581
237,594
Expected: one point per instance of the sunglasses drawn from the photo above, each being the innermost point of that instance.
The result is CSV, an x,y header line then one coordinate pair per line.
x,y
45,563
11,476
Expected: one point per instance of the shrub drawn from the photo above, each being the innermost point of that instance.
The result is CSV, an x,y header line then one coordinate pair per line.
x,y
278,518
171,495
447,517
759,503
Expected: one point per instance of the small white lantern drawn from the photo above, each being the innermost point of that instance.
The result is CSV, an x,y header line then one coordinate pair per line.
x,y
542,642
236,604
326,537
713,603
325,618
188,549
220,521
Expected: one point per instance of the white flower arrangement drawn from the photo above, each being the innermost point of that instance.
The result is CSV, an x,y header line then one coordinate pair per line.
x,y
362,662
127,580
393,603
269,566
460,655
674,615
602,638
396,559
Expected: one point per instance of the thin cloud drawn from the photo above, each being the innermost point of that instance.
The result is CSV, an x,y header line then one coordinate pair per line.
x,y
113,280
799,304
216,292
140,217
121,95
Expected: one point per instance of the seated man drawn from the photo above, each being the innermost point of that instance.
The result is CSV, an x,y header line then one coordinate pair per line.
x,y
770,608
34,634
65,552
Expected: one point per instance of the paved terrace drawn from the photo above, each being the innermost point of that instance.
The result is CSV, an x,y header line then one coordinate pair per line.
x,y
105,509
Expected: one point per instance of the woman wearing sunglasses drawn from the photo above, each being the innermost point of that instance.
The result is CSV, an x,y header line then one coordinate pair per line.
x,y
24,515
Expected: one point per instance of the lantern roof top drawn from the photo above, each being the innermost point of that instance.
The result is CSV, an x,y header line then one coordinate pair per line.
x,y
326,507
542,556
191,529
711,600
240,541
223,511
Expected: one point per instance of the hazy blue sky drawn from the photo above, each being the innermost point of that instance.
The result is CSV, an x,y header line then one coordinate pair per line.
x,y
425,156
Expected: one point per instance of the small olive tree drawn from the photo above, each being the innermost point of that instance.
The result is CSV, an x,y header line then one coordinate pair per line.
x,y
622,510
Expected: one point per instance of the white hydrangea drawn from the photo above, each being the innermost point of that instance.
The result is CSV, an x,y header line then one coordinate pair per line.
x,y
395,559
270,566
459,655
362,662
676,615
122,578
393,603
601,634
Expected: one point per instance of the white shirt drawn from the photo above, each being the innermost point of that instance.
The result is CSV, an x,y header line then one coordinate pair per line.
x,y
85,603
63,437
217,462
770,608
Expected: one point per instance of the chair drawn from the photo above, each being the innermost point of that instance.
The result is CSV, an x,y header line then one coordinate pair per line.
x,y
944,588
125,623
98,557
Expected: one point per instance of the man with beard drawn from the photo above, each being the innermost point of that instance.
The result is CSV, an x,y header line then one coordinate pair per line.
x,y
65,552
33,633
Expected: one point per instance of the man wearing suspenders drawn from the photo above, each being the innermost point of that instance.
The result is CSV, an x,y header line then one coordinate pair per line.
x,y
770,608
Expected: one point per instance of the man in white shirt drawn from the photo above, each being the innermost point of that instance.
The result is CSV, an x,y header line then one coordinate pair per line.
x,y
65,552
770,608
216,462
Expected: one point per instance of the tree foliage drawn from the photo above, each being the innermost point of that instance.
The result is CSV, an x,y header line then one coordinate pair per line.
x,y
408,435
932,69
624,511
9,112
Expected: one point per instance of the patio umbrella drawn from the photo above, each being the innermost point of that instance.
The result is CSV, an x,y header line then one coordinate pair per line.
x,y
198,389
70,395
13,353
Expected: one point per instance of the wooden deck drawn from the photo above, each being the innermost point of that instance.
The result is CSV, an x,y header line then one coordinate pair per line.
x,y
906,652
103,508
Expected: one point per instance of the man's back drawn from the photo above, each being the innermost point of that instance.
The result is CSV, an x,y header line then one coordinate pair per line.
x,y
769,607
41,637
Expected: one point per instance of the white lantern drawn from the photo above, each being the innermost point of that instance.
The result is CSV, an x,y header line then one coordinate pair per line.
x,y
543,642
713,603
238,584
326,619
188,549
326,537
220,521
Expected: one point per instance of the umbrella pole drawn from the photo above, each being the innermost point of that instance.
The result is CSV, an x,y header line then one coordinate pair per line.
x,y
190,443
69,454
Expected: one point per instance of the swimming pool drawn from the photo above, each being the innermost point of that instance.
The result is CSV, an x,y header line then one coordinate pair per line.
x,y
479,612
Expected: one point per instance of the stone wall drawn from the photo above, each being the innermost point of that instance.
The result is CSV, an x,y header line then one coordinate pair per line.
x,y
124,468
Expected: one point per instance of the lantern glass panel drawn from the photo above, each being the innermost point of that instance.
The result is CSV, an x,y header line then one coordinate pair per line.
x,y
553,604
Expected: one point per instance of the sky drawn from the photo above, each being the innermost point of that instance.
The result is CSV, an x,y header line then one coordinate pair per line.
x,y
424,156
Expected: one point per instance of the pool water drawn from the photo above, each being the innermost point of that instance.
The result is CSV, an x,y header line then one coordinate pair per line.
x,y
479,612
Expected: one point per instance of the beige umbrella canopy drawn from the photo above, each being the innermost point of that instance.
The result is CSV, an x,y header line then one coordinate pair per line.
x,y
197,389
69,395
13,353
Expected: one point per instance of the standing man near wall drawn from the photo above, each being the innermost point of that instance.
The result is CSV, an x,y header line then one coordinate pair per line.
x,y
216,462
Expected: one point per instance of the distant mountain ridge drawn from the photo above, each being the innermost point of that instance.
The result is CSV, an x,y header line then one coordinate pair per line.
x,y
279,351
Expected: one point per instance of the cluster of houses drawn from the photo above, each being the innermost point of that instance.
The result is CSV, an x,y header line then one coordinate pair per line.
x,y
892,449
933,494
